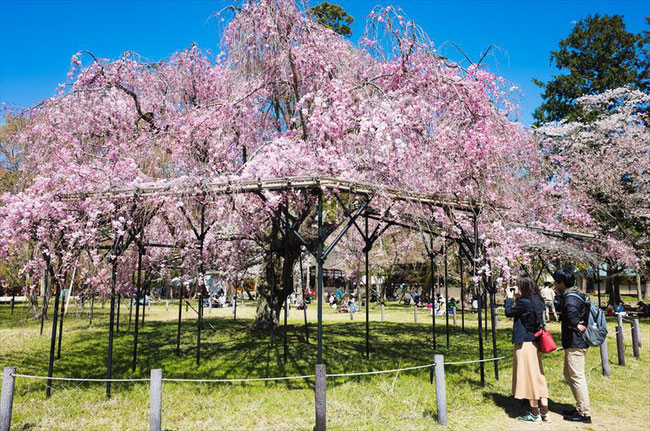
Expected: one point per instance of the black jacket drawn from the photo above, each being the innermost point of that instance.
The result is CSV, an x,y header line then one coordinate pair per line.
x,y
572,311
528,315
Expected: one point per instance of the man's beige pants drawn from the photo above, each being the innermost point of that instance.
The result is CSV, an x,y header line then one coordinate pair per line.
x,y
574,374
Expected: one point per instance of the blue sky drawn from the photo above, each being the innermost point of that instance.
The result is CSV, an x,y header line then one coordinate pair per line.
x,y
37,38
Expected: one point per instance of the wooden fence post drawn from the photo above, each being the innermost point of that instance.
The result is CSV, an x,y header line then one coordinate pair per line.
x,y
454,314
7,399
635,340
620,346
637,327
604,358
441,392
155,401
415,314
321,405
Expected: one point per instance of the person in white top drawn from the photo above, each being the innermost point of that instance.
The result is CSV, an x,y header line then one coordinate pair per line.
x,y
548,295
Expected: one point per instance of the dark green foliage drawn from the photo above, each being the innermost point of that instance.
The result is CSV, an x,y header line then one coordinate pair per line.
x,y
599,54
333,17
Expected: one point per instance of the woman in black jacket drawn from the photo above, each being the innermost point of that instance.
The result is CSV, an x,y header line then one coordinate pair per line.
x,y
526,306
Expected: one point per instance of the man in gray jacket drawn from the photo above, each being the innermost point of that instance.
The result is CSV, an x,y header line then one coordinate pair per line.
x,y
572,307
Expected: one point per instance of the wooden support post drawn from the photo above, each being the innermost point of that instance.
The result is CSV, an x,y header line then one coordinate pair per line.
x,y
351,314
382,312
321,404
441,392
620,346
7,399
155,401
453,311
415,314
604,358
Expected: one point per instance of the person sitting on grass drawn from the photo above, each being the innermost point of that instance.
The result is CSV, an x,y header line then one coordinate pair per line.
x,y
525,305
620,309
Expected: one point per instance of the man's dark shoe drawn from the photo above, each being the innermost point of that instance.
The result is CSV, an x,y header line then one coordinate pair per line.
x,y
577,417
569,412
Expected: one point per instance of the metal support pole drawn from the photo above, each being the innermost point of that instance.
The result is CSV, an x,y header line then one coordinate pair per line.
x,y
61,314
50,367
7,398
441,391
598,278
155,400
321,401
319,259
117,320
604,358
180,312
138,288
366,250
304,304
495,353
234,306
433,299
462,293
446,276
286,286
478,295
109,373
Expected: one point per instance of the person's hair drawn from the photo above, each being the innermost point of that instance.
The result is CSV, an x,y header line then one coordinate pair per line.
x,y
565,276
547,283
527,287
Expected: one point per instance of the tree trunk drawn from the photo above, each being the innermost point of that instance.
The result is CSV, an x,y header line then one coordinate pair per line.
x,y
647,289
613,289
638,287
281,290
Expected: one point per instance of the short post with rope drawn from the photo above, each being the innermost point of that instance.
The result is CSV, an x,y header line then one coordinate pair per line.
x,y
155,401
635,339
320,399
441,391
604,358
620,345
637,328
7,398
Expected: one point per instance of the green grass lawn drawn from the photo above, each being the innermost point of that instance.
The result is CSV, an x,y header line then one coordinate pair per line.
x,y
404,401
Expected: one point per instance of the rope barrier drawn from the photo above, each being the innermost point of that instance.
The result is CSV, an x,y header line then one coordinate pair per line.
x,y
259,379
255,379
475,362
78,379
367,373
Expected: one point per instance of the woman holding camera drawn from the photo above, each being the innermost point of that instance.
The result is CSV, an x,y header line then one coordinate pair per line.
x,y
526,306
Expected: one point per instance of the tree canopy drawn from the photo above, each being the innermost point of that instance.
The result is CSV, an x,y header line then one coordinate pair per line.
x,y
333,17
598,55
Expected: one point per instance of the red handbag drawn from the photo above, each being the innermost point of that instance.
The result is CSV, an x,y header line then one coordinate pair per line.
x,y
546,341
544,337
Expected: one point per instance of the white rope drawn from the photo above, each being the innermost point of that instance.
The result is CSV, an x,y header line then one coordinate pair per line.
x,y
367,373
78,379
475,362
259,379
